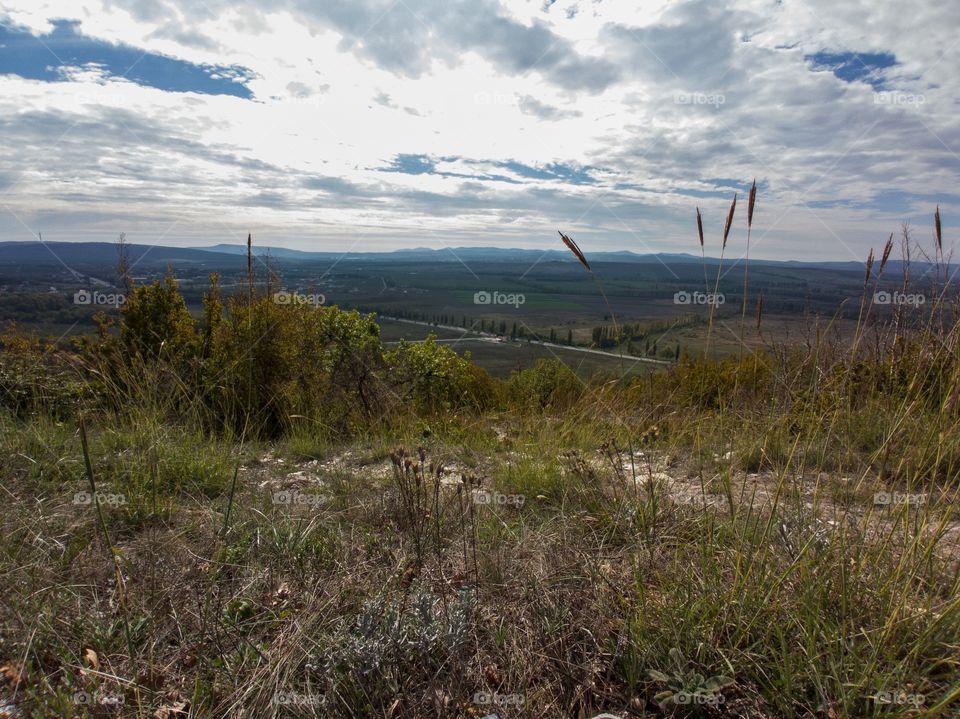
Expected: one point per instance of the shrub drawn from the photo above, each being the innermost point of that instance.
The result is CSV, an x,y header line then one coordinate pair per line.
x,y
270,362
435,377
155,320
36,379
549,383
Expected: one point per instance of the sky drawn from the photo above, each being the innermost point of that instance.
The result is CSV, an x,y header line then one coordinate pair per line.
x,y
353,125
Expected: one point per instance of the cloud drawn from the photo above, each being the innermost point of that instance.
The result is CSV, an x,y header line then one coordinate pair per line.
x,y
530,105
299,89
407,38
517,49
382,98
490,122
176,31
664,52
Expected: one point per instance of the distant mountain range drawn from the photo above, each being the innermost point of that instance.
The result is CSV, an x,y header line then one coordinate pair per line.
x,y
510,254
105,254
231,256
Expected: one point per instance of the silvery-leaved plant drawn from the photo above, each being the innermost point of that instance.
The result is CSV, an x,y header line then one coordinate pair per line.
x,y
685,686
799,534
393,639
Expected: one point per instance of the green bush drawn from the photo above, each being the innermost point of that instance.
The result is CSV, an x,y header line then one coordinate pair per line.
x,y
549,383
155,320
435,378
268,363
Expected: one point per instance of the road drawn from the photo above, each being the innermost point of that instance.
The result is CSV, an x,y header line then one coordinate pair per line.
x,y
490,337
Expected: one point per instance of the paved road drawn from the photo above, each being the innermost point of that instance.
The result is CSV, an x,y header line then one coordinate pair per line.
x,y
490,337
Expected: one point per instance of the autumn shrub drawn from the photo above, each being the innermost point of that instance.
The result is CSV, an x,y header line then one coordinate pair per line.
x,y
265,364
36,378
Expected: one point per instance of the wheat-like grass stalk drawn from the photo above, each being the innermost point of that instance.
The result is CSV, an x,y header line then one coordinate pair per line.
x,y
729,223
751,203
578,253
575,250
887,249
250,256
867,295
114,552
703,257
938,232
716,285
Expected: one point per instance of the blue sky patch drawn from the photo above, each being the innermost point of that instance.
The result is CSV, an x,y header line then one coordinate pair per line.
x,y
45,57
550,171
412,165
865,67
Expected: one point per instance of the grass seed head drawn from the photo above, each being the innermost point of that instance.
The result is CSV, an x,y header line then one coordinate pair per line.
x,y
726,227
937,230
700,228
751,202
887,249
575,250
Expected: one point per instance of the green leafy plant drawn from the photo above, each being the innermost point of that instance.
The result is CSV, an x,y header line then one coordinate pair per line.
x,y
686,686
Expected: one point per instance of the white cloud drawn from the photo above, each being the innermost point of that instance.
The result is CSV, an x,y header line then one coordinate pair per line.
x,y
663,104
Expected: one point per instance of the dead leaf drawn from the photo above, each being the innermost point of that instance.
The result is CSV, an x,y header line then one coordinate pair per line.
x,y
281,595
90,658
171,711
394,708
11,674
493,676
